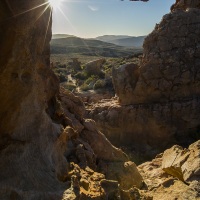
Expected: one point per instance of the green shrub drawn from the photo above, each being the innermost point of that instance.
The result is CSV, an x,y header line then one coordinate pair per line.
x,y
59,70
89,83
81,75
91,79
69,86
86,87
99,84
101,75
62,77
62,66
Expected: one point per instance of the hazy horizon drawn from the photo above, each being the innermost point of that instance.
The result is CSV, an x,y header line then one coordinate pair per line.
x,y
96,36
93,18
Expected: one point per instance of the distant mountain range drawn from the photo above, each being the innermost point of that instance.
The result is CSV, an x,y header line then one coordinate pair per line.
x,y
120,40
67,44
107,38
123,40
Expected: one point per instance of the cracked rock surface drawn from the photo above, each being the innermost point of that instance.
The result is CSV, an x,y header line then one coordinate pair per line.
x,y
169,68
158,101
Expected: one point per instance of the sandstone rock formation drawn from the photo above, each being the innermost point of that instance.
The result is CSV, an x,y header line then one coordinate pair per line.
x,y
43,135
47,149
149,128
169,69
27,91
94,67
159,101
162,185
125,78
159,184
183,163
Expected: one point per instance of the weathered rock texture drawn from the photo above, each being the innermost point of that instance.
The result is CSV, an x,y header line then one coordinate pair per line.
x,y
159,100
43,135
162,184
47,149
124,79
170,66
148,126
27,133
183,163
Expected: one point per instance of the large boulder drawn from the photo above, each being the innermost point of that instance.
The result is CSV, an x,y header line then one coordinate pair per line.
x,y
183,163
169,68
163,184
159,100
94,67
125,78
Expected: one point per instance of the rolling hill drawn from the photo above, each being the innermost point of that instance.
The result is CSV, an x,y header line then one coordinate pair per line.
x,y
107,38
123,40
65,44
59,36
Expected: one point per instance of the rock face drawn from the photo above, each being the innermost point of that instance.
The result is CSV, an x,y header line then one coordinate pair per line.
x,y
161,184
170,66
47,149
43,135
169,69
159,101
28,90
124,80
147,126
183,163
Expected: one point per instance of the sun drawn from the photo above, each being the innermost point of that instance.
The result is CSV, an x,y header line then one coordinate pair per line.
x,y
54,3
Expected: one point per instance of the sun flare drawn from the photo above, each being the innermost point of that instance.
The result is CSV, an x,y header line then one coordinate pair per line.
x,y
54,3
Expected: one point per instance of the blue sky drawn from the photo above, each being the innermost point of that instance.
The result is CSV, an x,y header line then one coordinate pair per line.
x,y
91,18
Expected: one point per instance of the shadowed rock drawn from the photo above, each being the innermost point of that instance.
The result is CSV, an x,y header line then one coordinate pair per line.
x,y
41,128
